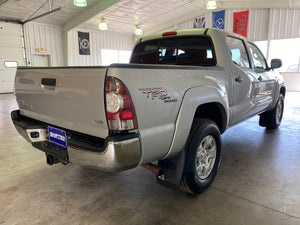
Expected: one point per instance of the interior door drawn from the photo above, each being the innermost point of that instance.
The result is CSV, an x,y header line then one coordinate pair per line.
x,y
245,83
11,54
41,60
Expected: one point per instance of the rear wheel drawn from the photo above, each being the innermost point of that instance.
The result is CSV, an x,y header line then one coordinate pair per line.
x,y
203,155
272,118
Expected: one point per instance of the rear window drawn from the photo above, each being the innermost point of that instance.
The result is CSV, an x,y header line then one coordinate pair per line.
x,y
190,50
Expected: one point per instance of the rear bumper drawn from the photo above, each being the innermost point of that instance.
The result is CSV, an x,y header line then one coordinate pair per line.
x,y
113,154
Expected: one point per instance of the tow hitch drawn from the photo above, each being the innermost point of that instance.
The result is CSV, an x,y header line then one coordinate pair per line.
x,y
51,160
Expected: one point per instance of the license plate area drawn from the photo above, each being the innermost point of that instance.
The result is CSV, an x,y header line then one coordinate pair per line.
x,y
57,136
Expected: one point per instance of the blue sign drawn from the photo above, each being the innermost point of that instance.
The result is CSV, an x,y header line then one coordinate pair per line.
x,y
57,136
218,19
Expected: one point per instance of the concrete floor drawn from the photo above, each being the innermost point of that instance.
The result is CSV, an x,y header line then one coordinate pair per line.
x,y
258,183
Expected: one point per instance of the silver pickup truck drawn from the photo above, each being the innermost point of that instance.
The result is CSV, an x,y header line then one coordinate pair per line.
x,y
165,110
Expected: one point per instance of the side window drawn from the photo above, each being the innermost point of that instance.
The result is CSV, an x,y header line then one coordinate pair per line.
x,y
238,52
258,58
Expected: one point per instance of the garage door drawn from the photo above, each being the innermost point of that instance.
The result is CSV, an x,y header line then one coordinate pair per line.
x,y
11,54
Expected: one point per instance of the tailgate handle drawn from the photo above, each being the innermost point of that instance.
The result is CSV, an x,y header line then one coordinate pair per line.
x,y
49,82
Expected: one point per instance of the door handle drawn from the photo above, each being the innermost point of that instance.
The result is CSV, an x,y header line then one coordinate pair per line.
x,y
48,82
260,78
239,79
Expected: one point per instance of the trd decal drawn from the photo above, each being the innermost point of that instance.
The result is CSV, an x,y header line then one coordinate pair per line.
x,y
158,93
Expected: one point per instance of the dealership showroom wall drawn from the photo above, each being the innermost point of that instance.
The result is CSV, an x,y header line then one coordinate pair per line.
x,y
258,181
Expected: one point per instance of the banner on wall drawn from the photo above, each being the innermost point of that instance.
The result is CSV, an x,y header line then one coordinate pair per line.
x,y
218,19
84,43
240,22
199,22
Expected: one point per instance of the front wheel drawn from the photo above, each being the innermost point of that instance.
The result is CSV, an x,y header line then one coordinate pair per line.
x,y
203,155
272,118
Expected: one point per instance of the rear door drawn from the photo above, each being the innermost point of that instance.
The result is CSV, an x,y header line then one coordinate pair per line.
x,y
11,54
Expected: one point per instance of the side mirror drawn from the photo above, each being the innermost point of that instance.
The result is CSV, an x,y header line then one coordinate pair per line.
x,y
276,63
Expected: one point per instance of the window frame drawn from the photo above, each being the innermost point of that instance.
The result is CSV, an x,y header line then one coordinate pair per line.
x,y
253,64
246,50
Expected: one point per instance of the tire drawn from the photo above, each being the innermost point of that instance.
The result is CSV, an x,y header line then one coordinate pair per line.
x,y
272,118
203,156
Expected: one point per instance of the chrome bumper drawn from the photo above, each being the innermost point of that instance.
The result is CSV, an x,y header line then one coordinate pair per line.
x,y
117,156
117,153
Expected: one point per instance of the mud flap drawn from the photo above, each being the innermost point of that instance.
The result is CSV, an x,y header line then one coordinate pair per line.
x,y
172,170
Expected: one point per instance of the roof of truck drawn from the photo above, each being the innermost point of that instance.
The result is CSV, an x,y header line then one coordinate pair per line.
x,y
196,31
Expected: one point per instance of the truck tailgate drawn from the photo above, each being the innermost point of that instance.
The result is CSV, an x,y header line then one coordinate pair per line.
x,y
71,98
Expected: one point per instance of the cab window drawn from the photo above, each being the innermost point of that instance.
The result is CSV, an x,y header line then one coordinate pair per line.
x,y
181,50
238,52
258,58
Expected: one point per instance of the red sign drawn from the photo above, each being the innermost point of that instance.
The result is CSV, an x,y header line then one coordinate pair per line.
x,y
240,22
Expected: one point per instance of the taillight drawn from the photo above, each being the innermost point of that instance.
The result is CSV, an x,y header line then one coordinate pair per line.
x,y
119,107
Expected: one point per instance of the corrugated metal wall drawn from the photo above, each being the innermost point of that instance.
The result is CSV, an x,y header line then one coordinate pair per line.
x,y
44,36
98,40
286,23
257,25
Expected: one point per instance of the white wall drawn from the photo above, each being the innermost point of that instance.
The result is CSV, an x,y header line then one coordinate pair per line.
x,y
98,40
257,24
10,51
292,81
285,23
44,36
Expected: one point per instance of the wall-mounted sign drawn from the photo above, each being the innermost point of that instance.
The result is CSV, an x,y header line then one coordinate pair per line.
x,y
218,19
41,50
240,22
199,22
84,43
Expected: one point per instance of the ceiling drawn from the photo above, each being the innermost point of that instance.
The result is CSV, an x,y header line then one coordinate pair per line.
x,y
122,15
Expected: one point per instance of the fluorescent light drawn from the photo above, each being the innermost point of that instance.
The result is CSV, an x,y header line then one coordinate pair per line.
x,y
102,25
80,3
138,31
211,5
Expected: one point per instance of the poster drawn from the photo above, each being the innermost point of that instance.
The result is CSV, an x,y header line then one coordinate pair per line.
x,y
218,19
240,23
84,43
199,22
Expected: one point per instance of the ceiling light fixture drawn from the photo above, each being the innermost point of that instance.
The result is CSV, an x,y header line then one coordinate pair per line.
x,y
211,5
138,31
102,25
80,3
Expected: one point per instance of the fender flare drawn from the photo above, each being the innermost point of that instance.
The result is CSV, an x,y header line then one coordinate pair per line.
x,y
192,99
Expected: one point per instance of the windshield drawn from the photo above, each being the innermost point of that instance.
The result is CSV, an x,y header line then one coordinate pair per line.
x,y
187,50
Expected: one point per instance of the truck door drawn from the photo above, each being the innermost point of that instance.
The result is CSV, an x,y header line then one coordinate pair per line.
x,y
244,82
265,77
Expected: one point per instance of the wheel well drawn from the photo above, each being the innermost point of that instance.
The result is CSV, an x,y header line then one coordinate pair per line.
x,y
215,112
282,91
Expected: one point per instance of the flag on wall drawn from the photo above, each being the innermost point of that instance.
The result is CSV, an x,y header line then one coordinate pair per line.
x,y
199,22
240,22
218,19
84,43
